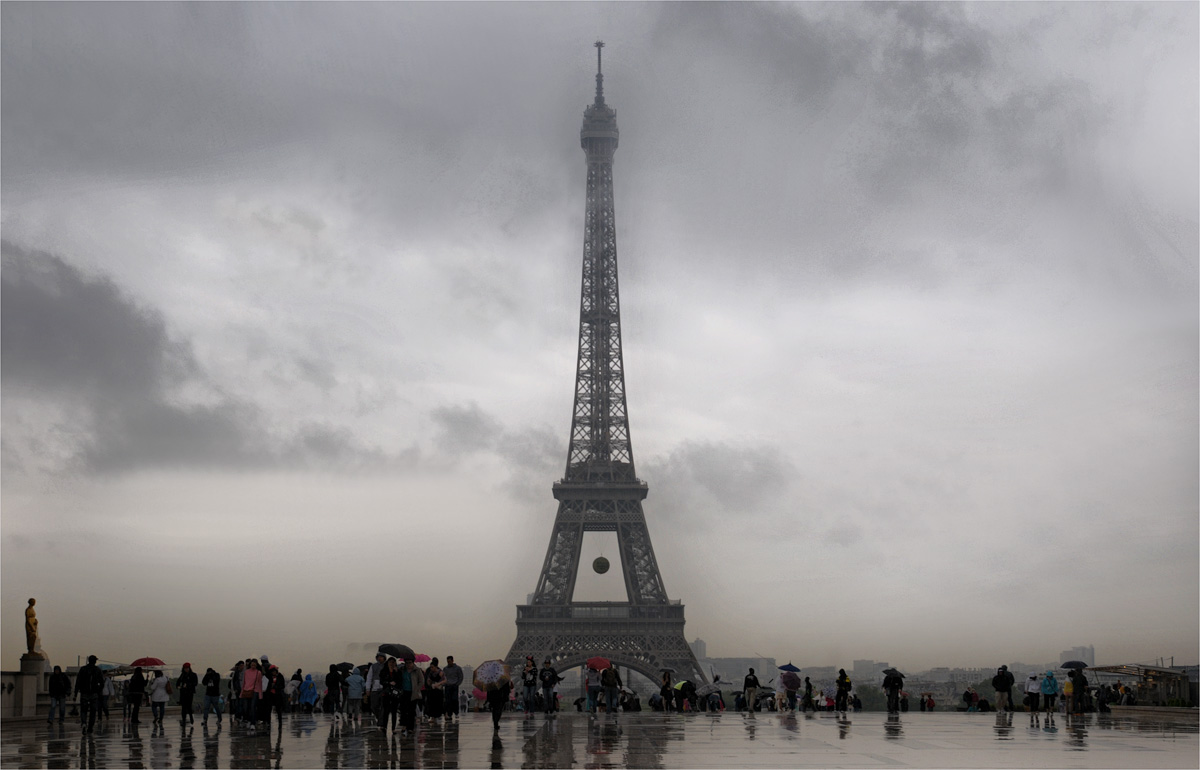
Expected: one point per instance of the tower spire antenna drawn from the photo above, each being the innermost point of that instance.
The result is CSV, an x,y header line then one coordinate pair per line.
x,y
599,74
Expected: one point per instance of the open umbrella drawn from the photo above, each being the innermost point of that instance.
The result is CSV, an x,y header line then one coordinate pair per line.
x,y
492,674
401,651
893,672
147,663
790,680
1074,664
478,693
789,667
705,690
345,667
421,657
667,669
598,663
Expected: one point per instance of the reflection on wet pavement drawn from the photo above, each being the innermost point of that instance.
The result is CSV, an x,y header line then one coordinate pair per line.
x,y
645,740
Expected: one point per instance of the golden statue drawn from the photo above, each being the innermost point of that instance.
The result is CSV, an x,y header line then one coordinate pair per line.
x,y
31,632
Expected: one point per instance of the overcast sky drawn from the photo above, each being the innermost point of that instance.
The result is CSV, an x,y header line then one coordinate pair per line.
x,y
290,314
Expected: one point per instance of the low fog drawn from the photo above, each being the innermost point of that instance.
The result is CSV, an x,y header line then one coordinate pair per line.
x,y
909,301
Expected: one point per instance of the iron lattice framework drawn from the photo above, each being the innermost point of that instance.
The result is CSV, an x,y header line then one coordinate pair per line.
x,y
600,492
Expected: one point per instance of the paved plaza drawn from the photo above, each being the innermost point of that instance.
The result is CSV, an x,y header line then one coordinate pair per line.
x,y
646,739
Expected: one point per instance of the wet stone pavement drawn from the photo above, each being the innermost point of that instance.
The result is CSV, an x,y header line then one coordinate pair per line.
x,y
646,739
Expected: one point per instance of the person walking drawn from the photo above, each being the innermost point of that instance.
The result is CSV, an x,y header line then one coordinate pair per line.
x,y
497,700
592,681
529,681
1079,690
355,688
549,678
308,694
135,693
1049,691
807,702
610,680
391,680
375,686
453,680
60,690
891,687
1002,683
235,691
106,694
843,690
274,697
186,684
293,689
333,690
89,682
160,693
750,687
435,680
412,682
252,683
212,695
1033,692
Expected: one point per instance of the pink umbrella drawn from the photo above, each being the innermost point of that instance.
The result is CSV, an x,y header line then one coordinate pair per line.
x,y
479,694
422,658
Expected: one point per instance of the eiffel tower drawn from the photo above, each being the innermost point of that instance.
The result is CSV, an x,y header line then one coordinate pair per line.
x,y
600,491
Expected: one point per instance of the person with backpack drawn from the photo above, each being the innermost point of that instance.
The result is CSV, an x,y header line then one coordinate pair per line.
x,y
843,690
89,683
610,680
891,686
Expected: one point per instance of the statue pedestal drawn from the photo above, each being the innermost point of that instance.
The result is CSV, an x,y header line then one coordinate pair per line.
x,y
31,683
34,663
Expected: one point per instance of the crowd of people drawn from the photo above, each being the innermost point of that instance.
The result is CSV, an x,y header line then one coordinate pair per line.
x,y
397,692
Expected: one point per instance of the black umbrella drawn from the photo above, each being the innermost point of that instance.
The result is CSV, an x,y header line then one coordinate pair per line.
x,y
893,672
402,651
344,666
1074,664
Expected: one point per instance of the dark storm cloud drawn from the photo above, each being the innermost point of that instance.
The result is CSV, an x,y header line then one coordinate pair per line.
x,y
702,480
83,342
530,456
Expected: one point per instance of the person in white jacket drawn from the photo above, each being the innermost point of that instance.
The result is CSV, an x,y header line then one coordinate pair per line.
x,y
159,696
1033,689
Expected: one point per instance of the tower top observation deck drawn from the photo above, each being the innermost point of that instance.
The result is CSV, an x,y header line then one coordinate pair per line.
x,y
598,137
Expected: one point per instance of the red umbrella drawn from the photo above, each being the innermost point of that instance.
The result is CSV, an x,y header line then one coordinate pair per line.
x,y
146,663
421,657
598,664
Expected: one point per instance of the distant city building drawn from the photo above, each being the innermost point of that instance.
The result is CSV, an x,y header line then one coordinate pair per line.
x,y
821,673
699,648
868,670
1086,654
734,669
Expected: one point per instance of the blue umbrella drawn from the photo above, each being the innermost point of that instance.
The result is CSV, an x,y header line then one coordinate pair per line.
x,y
789,667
